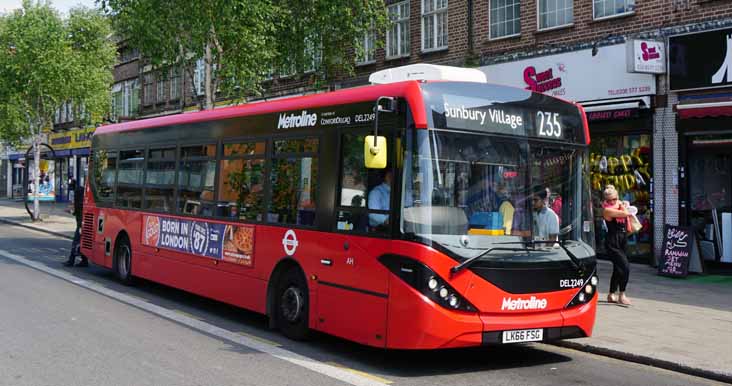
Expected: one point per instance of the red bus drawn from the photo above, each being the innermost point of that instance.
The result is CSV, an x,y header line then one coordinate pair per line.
x,y
476,228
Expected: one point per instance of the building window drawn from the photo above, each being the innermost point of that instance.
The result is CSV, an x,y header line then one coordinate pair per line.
x,y
118,102
313,54
148,88
160,88
610,8
505,18
434,24
199,77
131,98
174,83
367,52
397,36
555,13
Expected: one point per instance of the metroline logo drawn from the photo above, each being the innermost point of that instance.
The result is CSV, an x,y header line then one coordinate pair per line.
x,y
523,304
292,120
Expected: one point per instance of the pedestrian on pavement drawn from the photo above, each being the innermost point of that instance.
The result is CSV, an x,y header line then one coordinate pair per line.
x,y
75,245
616,215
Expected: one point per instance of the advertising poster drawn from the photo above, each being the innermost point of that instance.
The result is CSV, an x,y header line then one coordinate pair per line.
x,y
230,243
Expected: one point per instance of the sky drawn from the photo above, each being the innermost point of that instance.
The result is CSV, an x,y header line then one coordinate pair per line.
x,y
61,5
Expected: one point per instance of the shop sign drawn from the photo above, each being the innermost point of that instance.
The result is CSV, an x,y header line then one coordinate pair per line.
x,y
576,76
72,139
612,115
680,252
700,60
646,56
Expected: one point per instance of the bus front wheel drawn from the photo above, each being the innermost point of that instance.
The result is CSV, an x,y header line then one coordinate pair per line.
x,y
123,261
292,305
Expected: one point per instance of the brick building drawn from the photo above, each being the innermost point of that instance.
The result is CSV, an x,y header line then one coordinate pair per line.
x,y
591,51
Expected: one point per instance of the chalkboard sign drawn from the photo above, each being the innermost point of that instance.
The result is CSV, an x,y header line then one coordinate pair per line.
x,y
678,243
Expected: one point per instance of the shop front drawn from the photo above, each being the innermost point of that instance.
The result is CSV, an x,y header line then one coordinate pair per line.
x,y
71,150
700,70
617,100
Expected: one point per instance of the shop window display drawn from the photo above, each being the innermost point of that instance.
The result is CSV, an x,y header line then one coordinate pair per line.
x,y
625,162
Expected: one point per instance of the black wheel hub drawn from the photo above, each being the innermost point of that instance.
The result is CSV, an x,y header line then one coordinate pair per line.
x,y
291,304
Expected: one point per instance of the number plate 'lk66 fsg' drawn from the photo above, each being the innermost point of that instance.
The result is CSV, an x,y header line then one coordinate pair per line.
x,y
516,336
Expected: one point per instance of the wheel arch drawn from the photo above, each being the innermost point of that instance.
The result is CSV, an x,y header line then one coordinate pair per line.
x,y
284,265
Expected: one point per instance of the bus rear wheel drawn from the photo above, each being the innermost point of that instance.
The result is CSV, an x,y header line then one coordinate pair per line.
x,y
292,305
123,262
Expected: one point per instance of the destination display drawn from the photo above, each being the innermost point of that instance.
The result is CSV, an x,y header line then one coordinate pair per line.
x,y
227,242
502,110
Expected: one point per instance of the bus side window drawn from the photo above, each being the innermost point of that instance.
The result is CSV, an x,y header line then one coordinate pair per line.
x,y
196,174
241,181
129,178
160,179
105,172
294,180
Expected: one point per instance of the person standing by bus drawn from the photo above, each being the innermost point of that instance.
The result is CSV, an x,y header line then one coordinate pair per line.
x,y
77,212
616,218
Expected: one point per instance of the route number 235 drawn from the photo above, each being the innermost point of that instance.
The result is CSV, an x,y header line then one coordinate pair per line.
x,y
549,124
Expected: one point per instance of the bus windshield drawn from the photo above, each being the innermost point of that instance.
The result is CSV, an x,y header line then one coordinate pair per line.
x,y
467,192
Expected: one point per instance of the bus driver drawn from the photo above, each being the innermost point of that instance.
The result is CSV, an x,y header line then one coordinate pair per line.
x,y
379,200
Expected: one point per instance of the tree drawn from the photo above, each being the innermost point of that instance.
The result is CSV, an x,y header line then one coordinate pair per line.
x,y
243,42
45,61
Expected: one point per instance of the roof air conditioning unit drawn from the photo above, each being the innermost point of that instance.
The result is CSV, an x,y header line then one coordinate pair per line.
x,y
424,71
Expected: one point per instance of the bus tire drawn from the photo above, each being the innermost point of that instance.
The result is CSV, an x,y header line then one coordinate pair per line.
x,y
122,264
292,305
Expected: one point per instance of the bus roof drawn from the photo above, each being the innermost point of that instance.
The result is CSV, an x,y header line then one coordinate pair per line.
x,y
408,90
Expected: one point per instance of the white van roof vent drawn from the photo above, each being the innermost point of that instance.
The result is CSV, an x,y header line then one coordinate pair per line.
x,y
423,71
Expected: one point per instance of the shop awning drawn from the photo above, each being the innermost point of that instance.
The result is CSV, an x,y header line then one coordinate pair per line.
x,y
617,104
615,109
703,110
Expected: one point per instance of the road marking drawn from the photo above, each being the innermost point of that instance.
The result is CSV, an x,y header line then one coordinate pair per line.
x,y
361,373
263,340
352,377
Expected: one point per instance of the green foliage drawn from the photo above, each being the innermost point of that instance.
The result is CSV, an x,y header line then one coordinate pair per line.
x,y
246,41
45,61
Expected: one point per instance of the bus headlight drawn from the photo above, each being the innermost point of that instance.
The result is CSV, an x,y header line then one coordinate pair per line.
x,y
586,292
453,301
427,282
432,284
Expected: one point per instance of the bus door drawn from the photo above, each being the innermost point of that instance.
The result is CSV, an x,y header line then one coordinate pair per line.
x,y
353,285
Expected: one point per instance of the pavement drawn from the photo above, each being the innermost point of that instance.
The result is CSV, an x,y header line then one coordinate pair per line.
x,y
682,325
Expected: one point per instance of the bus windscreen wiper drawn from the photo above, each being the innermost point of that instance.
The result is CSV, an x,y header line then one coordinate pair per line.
x,y
470,261
575,261
529,243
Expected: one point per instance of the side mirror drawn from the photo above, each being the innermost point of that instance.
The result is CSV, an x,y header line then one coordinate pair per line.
x,y
374,152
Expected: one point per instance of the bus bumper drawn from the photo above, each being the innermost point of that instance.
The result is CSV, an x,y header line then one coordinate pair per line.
x,y
575,322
